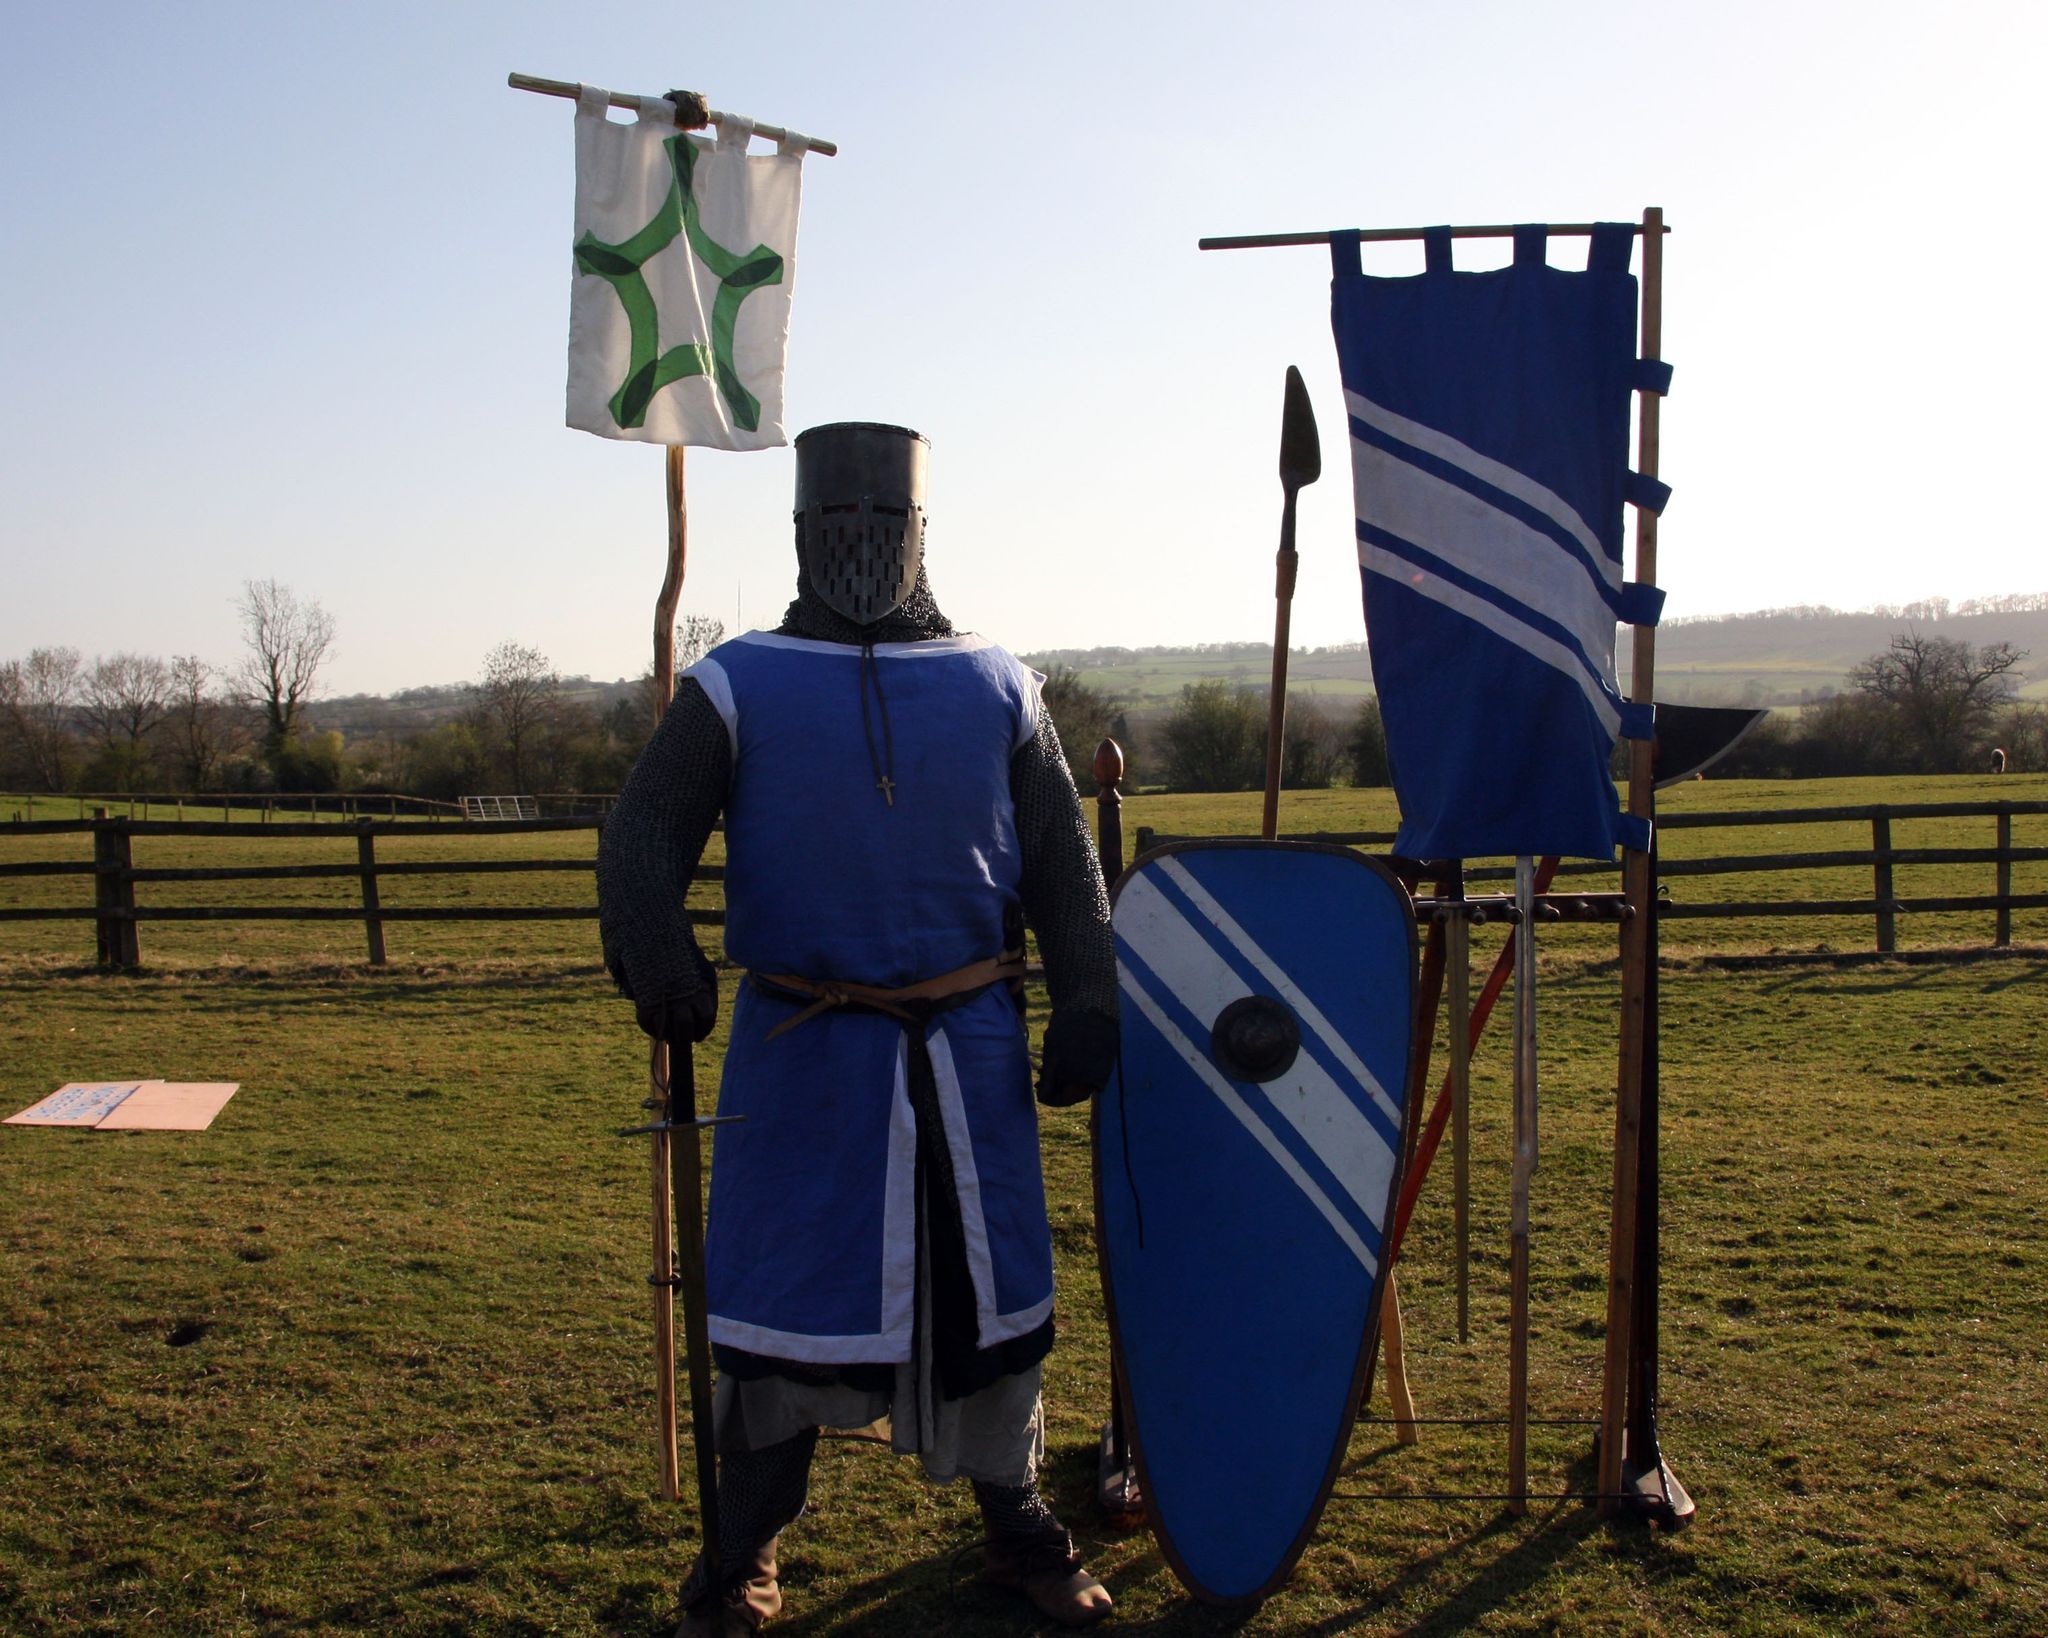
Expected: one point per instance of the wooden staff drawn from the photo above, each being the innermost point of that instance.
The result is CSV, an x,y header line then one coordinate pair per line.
x,y
1458,988
1524,1169
1635,929
661,1151
1116,1476
1393,1334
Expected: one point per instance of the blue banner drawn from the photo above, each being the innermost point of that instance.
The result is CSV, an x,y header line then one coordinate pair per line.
x,y
1489,422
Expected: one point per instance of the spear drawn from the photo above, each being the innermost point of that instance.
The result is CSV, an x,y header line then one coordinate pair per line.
x,y
1301,462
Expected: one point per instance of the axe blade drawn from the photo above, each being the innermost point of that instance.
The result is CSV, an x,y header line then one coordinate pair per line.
x,y
1692,738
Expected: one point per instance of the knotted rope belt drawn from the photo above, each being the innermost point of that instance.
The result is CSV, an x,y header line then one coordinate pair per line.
x,y
903,1003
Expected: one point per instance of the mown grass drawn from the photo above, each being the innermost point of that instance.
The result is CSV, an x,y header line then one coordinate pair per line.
x,y
371,1353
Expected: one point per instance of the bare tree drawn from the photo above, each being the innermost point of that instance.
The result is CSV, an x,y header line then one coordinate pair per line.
x,y
203,726
1945,692
125,698
37,698
696,636
286,642
515,699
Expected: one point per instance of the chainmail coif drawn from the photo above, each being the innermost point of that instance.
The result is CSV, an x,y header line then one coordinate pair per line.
x,y
652,842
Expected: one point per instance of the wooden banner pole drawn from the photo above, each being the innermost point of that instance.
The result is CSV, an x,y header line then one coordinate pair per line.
x,y
1523,1170
1635,929
622,99
1383,236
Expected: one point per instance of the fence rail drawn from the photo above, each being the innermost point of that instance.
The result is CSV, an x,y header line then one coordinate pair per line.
x,y
117,916
1883,907
346,806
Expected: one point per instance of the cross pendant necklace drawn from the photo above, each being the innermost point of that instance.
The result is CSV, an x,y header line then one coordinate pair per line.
x,y
887,787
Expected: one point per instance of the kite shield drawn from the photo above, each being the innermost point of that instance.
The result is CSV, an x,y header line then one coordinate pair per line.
x,y
1246,1163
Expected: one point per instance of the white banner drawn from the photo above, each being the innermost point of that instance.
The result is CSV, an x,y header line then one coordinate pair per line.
x,y
685,253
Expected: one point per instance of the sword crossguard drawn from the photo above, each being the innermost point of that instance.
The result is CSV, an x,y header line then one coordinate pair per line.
x,y
690,1125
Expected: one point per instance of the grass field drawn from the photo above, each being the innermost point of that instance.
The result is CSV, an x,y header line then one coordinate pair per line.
x,y
371,1353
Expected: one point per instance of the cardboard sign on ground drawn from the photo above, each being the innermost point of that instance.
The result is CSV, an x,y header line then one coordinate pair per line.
x,y
131,1106
77,1103
170,1106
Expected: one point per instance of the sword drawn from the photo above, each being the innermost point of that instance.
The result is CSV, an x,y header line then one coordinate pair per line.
x,y
681,1269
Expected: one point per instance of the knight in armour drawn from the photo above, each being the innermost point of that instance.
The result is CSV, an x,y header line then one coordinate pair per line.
x,y
896,812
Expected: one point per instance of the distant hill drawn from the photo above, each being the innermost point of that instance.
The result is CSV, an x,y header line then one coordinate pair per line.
x,y
1791,656
1772,657
360,717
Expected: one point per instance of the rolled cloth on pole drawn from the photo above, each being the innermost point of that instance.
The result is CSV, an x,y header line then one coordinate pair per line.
x,y
684,260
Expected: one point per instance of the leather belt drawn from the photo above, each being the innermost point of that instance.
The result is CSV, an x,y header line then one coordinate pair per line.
x,y
827,993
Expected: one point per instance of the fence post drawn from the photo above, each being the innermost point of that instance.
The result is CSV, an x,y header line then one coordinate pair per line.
x,y
1109,809
1881,869
373,924
118,941
2002,936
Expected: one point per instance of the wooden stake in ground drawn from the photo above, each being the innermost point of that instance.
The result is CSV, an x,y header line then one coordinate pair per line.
x,y
1458,987
1635,942
660,1081
1524,1169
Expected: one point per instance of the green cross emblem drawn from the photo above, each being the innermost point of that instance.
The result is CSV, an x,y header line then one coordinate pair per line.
x,y
739,274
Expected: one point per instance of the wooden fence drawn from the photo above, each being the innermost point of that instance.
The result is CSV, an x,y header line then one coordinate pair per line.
x,y
269,805
117,916
1881,859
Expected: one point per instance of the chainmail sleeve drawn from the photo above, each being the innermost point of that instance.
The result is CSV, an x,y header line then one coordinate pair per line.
x,y
1068,909
648,853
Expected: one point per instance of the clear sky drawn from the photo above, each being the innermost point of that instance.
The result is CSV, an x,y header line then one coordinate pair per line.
x,y
285,295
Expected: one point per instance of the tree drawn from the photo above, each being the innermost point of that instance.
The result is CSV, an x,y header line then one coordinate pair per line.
x,y
1368,747
125,697
1215,739
1944,692
515,698
696,636
37,696
202,726
1083,717
2022,732
286,642
1312,746
444,762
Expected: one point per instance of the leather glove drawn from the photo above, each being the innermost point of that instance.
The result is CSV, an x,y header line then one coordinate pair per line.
x,y
1080,1052
686,1019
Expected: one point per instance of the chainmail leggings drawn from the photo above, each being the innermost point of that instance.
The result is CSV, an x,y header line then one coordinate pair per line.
x,y
761,1491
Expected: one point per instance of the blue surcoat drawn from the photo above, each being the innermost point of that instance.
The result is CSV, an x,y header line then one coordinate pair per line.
x,y
810,1245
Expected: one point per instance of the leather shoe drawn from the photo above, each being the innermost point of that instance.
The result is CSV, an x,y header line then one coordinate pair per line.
x,y
750,1597
1047,1570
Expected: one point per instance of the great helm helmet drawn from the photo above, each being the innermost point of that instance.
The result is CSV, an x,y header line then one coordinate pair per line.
x,y
860,516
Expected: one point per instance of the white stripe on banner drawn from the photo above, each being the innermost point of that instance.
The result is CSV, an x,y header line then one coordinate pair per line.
x,y
1487,470
1283,986
1537,645
1471,535
1226,1094
1319,1110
